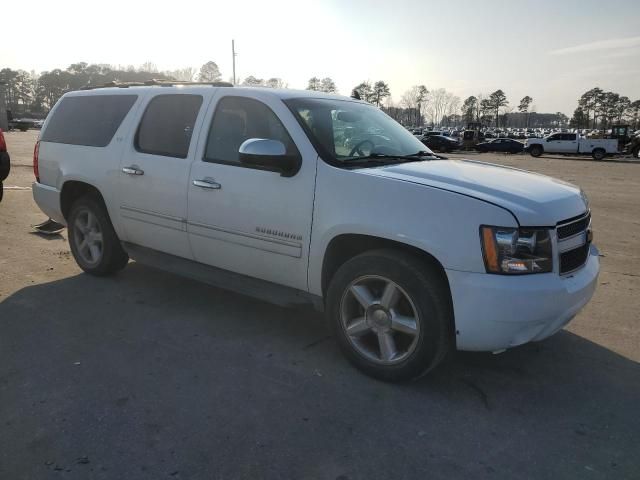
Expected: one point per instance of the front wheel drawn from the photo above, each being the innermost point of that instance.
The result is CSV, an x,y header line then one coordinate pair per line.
x,y
93,241
535,151
598,154
391,313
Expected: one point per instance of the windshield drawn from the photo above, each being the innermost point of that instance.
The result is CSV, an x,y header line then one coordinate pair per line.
x,y
347,131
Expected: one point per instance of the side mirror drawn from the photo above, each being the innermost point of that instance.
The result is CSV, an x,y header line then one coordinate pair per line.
x,y
269,155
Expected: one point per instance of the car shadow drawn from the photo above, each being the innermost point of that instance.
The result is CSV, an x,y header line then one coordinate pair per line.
x,y
146,373
47,236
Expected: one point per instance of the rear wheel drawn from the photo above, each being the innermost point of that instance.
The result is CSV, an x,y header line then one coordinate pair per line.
x,y
598,154
391,313
535,150
93,241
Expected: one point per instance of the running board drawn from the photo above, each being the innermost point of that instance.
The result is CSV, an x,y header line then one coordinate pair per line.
x,y
224,279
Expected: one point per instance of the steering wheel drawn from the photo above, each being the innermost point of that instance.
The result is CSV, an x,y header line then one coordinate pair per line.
x,y
357,148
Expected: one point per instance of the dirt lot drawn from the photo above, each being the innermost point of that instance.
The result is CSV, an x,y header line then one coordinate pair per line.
x,y
147,375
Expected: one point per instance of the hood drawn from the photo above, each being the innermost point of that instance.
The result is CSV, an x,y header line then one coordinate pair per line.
x,y
535,200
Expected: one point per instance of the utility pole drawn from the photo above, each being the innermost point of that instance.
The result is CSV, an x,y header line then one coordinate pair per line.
x,y
233,56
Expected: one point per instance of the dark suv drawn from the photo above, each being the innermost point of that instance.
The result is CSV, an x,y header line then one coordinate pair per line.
x,y
5,162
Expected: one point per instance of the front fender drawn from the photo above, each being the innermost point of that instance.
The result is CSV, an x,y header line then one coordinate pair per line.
x,y
441,223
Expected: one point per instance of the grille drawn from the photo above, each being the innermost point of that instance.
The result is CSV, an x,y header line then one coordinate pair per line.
x,y
573,259
566,231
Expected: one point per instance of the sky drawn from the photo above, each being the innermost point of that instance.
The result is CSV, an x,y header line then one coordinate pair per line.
x,y
551,50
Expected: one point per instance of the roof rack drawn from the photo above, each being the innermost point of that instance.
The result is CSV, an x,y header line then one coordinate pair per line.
x,y
153,82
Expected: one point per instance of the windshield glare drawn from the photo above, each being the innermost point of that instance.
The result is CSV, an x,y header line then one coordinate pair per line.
x,y
346,130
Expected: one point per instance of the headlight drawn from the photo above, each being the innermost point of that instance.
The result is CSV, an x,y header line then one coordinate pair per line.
x,y
513,251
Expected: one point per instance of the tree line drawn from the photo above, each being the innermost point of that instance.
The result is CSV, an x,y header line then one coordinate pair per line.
x,y
600,109
28,93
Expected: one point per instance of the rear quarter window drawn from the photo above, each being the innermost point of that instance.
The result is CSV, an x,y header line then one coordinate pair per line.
x,y
90,120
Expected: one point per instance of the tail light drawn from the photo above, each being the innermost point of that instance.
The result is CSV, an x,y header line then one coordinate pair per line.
x,y
36,172
3,144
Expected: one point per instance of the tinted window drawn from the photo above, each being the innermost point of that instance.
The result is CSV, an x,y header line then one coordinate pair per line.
x,y
167,125
88,120
568,136
237,119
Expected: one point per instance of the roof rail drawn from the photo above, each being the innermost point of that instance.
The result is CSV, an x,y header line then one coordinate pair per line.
x,y
154,82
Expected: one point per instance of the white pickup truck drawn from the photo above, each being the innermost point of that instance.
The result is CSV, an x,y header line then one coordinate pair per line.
x,y
571,144
255,190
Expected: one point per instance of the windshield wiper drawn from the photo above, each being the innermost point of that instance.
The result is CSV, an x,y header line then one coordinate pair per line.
x,y
384,158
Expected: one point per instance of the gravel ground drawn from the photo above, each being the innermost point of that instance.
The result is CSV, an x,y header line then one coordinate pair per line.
x,y
146,375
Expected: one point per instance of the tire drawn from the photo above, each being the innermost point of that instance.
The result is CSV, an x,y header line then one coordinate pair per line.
x,y
1,191
398,337
598,154
5,166
636,152
93,241
535,151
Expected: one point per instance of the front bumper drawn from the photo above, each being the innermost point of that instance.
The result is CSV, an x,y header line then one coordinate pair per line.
x,y
494,312
48,199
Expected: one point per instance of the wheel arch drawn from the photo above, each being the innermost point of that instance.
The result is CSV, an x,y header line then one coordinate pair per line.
x,y
345,246
74,189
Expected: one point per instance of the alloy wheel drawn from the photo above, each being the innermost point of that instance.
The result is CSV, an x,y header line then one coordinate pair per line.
x,y
379,319
88,237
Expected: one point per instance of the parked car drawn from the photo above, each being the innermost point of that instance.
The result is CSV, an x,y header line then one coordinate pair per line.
x,y
409,256
20,124
5,163
633,147
506,145
440,143
572,144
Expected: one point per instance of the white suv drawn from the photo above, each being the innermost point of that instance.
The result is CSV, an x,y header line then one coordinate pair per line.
x,y
301,197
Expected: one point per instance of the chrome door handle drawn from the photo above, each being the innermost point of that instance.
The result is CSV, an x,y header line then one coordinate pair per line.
x,y
132,170
207,183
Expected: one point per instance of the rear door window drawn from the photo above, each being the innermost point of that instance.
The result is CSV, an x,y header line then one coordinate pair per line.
x,y
167,125
90,120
